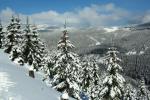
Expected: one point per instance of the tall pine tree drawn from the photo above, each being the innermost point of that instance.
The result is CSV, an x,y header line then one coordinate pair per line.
x,y
47,67
130,93
143,93
13,35
13,40
66,68
33,49
90,78
113,84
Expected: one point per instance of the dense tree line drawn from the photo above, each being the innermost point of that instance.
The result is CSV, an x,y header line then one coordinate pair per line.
x,y
136,66
65,70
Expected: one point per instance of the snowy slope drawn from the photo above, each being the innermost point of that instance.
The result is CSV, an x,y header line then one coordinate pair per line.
x,y
15,84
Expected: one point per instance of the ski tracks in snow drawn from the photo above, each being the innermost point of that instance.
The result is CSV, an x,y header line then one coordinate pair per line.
x,y
5,82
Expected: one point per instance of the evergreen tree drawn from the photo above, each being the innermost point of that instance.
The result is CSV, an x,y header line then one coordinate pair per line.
x,y
33,49
95,86
66,68
130,93
48,67
143,93
2,37
113,84
13,36
86,75
90,79
13,40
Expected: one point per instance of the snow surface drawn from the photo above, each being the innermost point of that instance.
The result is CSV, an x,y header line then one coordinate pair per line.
x,y
133,52
141,52
15,84
95,40
65,96
111,29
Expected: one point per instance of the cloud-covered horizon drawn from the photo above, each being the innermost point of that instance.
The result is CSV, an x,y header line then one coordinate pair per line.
x,y
93,15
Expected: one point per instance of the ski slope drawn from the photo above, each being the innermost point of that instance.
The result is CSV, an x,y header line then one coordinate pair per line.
x,y
15,84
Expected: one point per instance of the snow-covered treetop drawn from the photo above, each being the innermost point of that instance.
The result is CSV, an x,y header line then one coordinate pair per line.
x,y
27,28
64,44
143,87
113,53
31,32
112,59
112,50
34,29
143,93
130,93
15,24
1,27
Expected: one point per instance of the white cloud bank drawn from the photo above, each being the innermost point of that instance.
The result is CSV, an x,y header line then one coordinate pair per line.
x,y
94,15
88,16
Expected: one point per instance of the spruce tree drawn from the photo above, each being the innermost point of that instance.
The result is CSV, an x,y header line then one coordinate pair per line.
x,y
130,93
47,67
86,75
113,84
66,67
143,93
13,40
2,37
13,36
90,79
33,49
95,86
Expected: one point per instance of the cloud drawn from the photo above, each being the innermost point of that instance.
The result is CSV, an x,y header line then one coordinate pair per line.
x,y
94,15
139,18
103,14
54,18
146,17
5,14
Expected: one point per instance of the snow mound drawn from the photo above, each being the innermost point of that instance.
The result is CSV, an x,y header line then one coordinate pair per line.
x,y
65,96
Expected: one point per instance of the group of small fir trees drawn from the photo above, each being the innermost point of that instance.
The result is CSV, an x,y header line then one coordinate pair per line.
x,y
23,43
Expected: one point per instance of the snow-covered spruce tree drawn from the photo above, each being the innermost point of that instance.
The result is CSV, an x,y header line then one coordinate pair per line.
x,y
49,62
113,84
66,68
33,49
130,93
86,75
13,40
13,35
2,37
143,93
90,79
95,86
47,67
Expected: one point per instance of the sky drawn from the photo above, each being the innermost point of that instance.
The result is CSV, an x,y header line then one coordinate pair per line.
x,y
78,13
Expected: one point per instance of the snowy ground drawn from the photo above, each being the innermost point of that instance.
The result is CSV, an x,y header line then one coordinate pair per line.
x,y
15,84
